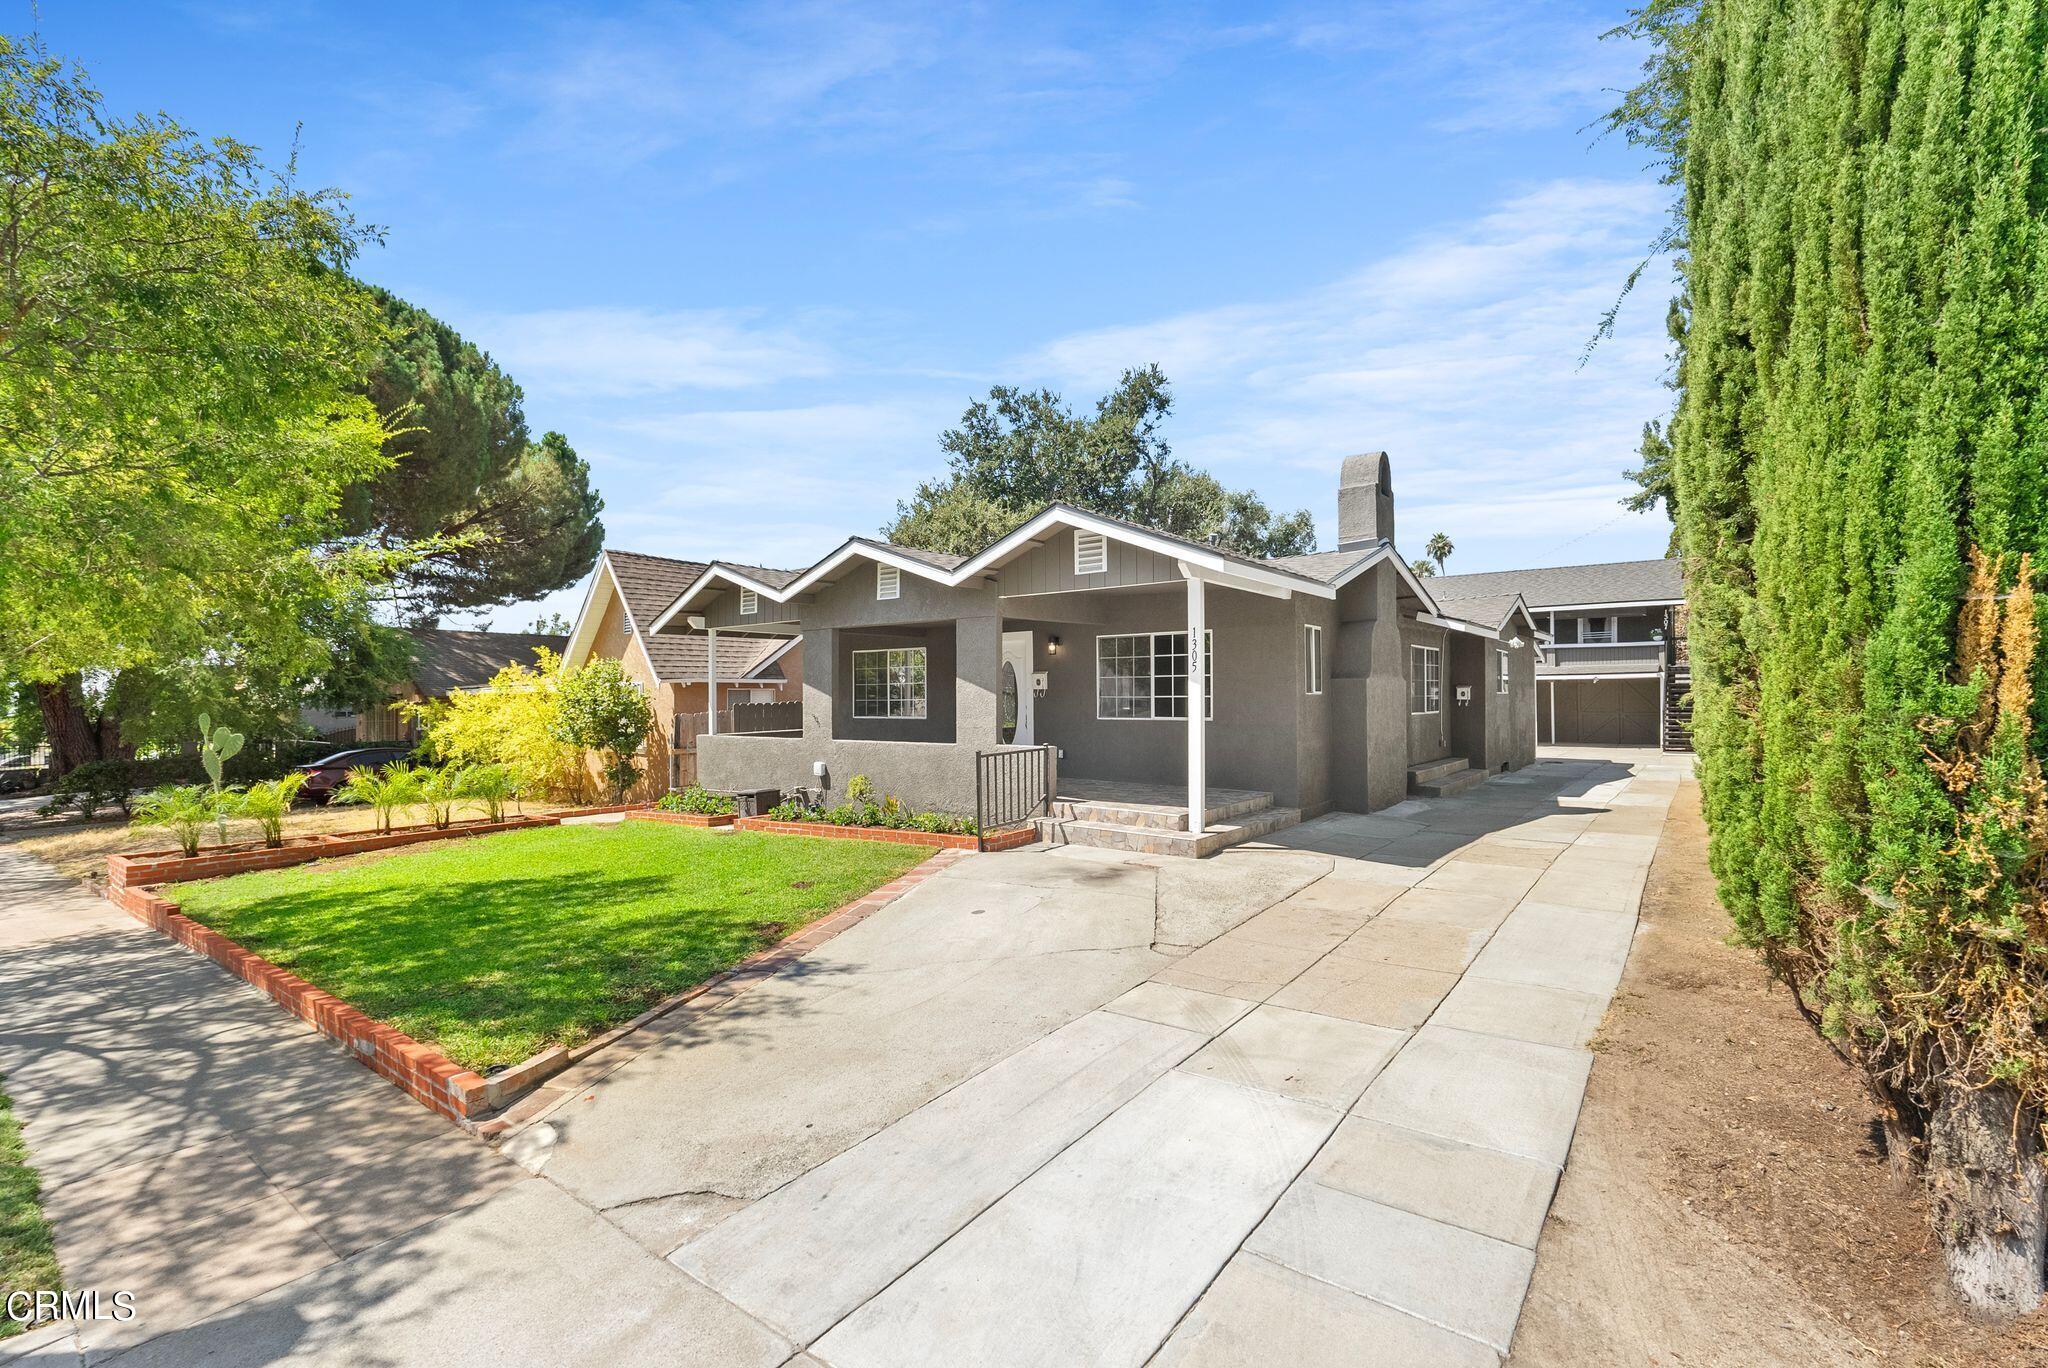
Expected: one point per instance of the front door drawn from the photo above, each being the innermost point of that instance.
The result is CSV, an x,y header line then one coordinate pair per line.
x,y
1018,702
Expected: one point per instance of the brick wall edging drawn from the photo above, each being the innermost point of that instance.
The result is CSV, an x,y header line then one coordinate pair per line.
x,y
424,1073
688,819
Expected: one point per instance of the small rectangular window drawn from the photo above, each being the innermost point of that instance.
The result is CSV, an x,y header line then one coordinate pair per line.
x,y
1500,678
750,603
889,683
1312,660
1425,679
888,582
1597,631
1091,553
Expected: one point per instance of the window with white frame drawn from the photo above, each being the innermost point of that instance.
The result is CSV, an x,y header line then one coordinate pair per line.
x,y
1425,679
889,683
1500,672
1091,553
888,582
1312,659
1144,675
750,603
1596,631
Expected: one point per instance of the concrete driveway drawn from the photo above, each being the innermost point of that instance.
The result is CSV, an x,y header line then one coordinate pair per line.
x,y
1304,1102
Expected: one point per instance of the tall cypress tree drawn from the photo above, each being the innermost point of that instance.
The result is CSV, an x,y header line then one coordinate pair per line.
x,y
1858,458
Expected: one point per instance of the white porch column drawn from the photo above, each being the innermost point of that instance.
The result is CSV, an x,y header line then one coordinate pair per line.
x,y
1198,693
711,680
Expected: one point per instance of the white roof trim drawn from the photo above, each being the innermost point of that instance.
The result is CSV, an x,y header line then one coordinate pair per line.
x,y
765,661
1173,548
585,630
1408,576
1590,607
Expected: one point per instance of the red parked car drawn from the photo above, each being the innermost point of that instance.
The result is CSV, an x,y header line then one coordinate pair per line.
x,y
323,777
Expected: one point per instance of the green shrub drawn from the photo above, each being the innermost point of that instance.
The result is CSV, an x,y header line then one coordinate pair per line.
x,y
490,787
387,790
699,800
91,786
861,810
600,708
183,810
268,804
439,790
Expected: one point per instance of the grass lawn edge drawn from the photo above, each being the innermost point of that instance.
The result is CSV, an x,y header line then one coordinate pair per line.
x,y
28,1251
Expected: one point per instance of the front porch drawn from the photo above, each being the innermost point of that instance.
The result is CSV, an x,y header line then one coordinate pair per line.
x,y
1152,819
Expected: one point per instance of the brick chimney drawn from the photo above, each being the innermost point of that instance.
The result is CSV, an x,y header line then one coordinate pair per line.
x,y
1365,502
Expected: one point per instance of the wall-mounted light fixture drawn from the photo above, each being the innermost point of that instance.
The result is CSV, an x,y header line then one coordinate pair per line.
x,y
1052,645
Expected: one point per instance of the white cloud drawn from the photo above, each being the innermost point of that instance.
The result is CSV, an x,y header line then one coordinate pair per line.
x,y
617,352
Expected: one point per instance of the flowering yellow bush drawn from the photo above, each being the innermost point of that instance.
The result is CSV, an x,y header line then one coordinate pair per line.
x,y
510,722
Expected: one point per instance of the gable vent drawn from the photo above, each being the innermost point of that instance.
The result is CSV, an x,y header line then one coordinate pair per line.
x,y
888,582
750,603
1091,553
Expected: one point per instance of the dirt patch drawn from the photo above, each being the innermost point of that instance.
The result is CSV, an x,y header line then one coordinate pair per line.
x,y
1726,1202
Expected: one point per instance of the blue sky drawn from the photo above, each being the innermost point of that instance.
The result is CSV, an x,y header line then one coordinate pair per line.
x,y
752,259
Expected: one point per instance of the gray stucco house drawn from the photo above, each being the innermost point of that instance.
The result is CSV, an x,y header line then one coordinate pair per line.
x,y
1327,681
1615,670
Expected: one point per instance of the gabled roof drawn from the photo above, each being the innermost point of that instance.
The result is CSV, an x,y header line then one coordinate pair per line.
x,y
646,585
446,661
1590,586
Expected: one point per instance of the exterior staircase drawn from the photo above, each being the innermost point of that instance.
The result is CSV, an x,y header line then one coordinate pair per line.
x,y
1442,778
1678,708
1148,827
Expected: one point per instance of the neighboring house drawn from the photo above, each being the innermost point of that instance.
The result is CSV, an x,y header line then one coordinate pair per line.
x,y
1615,672
627,592
1335,680
444,662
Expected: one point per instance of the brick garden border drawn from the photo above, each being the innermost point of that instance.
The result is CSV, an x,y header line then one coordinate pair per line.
x,y
688,819
426,1074
1010,839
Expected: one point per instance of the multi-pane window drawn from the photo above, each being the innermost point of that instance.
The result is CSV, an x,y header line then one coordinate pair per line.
x,y
1312,659
1425,679
1500,672
1145,675
889,683
888,582
750,603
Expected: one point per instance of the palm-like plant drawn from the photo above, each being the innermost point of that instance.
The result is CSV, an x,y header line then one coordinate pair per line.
x,y
439,791
386,790
184,810
267,805
1439,548
490,787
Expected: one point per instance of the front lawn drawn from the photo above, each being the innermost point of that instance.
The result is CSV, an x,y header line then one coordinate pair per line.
x,y
494,947
28,1258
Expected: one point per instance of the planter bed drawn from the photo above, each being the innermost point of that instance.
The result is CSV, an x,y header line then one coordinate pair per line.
x,y
942,840
688,819
625,924
144,867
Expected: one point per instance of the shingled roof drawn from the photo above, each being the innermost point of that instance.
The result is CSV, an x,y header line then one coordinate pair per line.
x,y
444,661
1644,581
649,584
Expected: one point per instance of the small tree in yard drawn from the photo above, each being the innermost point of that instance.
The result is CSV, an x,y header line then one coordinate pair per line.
x,y
510,722
603,710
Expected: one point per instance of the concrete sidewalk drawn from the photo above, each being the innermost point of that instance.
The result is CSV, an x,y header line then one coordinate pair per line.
x,y
1300,1103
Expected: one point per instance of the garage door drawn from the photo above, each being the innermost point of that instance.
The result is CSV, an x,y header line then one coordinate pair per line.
x,y
1604,712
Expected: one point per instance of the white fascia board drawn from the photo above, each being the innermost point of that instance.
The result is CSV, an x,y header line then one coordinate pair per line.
x,y
1223,581
1609,607
765,661
1214,568
1387,552
715,571
855,550
1459,625
585,631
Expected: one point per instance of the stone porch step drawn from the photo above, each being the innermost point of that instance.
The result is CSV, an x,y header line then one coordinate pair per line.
x,y
1146,840
1443,778
1432,770
1223,807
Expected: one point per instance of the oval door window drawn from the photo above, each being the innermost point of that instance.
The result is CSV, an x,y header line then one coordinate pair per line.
x,y
1009,702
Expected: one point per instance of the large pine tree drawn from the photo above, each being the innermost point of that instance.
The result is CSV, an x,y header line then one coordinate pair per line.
x,y
1858,458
